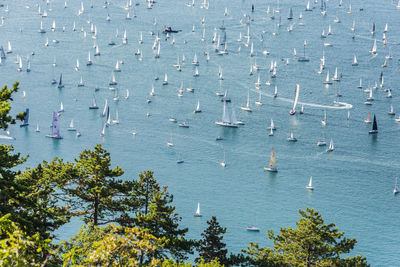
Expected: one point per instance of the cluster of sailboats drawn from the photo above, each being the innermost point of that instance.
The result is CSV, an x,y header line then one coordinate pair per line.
x,y
219,45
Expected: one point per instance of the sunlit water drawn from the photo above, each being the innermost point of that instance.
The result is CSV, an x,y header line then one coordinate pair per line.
x,y
353,184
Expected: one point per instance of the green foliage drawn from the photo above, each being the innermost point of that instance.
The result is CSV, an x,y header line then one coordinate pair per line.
x,y
19,249
110,246
211,246
312,243
201,263
156,213
95,192
5,107
38,203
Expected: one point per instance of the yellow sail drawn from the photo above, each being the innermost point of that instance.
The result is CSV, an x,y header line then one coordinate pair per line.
x,y
272,161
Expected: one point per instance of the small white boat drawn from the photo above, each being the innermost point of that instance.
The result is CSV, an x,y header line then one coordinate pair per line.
x,y
71,126
272,163
197,110
291,138
323,122
165,82
197,213
373,49
391,112
247,107
309,186
253,229
117,68
355,62
116,119
396,189
321,143
331,147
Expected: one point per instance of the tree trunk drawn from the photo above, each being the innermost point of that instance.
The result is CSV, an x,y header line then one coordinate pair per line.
x,y
96,209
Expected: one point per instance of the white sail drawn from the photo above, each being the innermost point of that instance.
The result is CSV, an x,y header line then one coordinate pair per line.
x,y
105,108
9,49
309,186
373,49
225,115
296,98
198,208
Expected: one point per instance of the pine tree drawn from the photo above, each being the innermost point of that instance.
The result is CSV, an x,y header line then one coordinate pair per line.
x,y
312,243
211,246
157,214
96,193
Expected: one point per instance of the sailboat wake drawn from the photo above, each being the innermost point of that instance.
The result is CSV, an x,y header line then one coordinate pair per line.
x,y
339,105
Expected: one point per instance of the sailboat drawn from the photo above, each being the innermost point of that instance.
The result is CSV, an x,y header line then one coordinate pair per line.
x,y
117,68
308,8
327,80
157,55
77,65
323,122
360,85
196,72
26,120
60,84
103,131
124,38
89,61
61,108
367,120
272,163
391,112
71,126
97,52
290,16
258,102
116,119
304,58
331,146
247,107
336,76
197,213
226,120
165,82
272,125
373,49
108,117
291,138
197,110
94,104
37,128
297,91
223,163
20,64
127,94
374,127
9,49
80,83
55,128
41,29
195,62
396,189
113,80
309,186
355,62
105,108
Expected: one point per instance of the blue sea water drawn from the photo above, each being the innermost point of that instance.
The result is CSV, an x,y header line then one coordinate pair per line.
x,y
353,184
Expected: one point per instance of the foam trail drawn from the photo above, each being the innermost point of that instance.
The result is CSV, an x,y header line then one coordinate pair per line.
x,y
342,105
